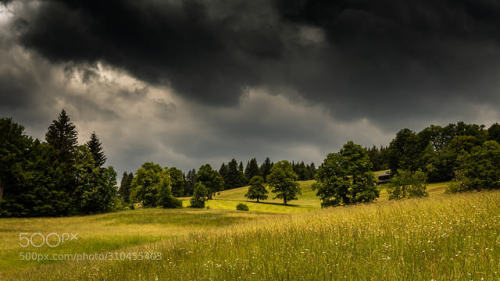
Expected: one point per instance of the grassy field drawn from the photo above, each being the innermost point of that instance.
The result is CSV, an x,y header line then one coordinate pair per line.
x,y
308,201
442,237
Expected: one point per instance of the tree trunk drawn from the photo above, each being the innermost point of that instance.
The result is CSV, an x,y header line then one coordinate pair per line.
x,y
1,191
284,200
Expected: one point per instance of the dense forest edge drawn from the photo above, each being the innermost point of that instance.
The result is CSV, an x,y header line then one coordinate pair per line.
x,y
59,177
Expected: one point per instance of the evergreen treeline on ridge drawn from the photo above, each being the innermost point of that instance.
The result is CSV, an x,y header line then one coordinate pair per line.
x,y
58,177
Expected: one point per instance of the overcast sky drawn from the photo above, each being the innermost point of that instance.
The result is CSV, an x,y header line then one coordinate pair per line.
x,y
184,83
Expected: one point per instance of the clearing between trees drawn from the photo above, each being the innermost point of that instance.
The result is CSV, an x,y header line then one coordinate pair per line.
x,y
452,237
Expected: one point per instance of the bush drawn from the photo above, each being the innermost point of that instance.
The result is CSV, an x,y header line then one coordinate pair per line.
x,y
242,207
478,169
170,202
199,196
408,184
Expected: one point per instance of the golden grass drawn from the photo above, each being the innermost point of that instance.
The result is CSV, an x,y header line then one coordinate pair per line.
x,y
442,237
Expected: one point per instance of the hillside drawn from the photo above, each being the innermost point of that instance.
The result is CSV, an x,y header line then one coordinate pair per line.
x,y
442,237
228,199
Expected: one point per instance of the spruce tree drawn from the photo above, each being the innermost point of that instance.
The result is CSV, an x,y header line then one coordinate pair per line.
x,y
242,178
178,182
252,169
234,177
95,148
265,168
62,136
190,182
125,186
224,172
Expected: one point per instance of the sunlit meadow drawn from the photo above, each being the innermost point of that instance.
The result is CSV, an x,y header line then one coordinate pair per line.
x,y
442,237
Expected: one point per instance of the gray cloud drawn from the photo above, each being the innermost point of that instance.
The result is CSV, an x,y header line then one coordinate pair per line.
x,y
186,82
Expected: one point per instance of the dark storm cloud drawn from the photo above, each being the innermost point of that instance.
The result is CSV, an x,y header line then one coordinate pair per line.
x,y
290,79
203,53
375,55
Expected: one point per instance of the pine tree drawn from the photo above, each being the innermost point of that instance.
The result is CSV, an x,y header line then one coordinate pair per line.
x,y
178,182
190,182
95,148
62,136
252,169
234,177
125,186
243,179
224,172
265,168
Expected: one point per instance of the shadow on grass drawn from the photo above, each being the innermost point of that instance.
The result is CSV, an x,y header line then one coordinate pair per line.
x,y
178,217
264,203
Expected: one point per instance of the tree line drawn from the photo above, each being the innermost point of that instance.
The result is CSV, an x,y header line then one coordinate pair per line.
x,y
434,150
233,174
59,177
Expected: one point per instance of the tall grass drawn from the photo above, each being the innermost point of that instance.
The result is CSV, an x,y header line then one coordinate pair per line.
x,y
454,237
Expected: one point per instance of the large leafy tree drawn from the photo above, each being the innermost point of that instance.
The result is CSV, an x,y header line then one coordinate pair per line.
x,y
346,177
95,147
283,181
211,179
494,132
408,184
478,169
404,151
147,184
257,190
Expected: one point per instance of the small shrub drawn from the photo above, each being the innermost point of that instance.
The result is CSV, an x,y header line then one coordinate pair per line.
x,y
242,207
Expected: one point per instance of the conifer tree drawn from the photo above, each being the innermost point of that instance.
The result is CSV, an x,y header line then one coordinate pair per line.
x,y
62,136
125,186
190,182
95,148
265,168
252,169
